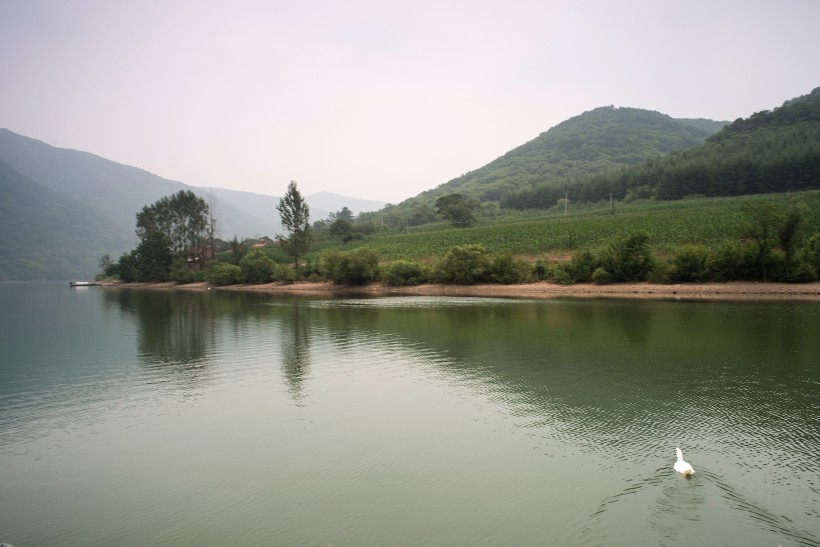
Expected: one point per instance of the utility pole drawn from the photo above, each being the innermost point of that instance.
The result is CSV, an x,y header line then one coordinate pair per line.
x,y
566,200
611,205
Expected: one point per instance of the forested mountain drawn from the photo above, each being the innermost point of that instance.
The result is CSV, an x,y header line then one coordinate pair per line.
x,y
771,151
117,191
63,209
47,235
593,142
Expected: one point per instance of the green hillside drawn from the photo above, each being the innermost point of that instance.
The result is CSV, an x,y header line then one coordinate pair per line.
x,y
775,151
48,236
593,142
671,224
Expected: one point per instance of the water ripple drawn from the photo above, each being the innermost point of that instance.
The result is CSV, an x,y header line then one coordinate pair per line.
x,y
411,421
674,499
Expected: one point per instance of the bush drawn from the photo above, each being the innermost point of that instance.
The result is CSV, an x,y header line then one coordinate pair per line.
x,y
559,275
507,269
464,265
283,273
225,274
580,267
357,267
628,258
802,272
540,270
726,263
182,273
810,253
257,267
311,270
403,272
752,264
690,264
600,276
776,269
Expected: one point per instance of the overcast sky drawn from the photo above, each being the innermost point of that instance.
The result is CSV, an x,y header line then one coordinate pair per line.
x,y
376,99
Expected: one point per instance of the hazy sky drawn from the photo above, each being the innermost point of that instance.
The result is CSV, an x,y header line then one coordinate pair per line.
x,y
376,99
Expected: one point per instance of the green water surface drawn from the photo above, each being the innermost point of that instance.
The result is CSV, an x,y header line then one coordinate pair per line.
x,y
171,418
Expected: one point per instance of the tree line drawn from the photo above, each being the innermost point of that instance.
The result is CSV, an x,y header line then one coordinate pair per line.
x,y
177,242
770,246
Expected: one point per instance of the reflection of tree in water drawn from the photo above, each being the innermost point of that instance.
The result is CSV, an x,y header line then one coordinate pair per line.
x,y
176,332
630,372
296,351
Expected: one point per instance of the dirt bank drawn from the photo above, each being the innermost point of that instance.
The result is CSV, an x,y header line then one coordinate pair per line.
x,y
687,291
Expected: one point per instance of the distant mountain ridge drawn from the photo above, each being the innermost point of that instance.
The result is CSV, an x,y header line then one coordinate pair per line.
x,y
96,201
321,204
34,241
331,202
117,191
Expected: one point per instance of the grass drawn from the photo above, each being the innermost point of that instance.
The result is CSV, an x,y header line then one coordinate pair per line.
x,y
706,221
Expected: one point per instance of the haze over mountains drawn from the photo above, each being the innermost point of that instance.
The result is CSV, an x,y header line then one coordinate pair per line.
x,y
61,210
64,209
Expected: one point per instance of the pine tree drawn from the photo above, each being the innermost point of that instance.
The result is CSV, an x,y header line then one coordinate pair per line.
x,y
295,216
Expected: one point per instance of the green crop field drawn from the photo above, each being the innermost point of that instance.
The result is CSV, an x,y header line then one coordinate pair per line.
x,y
707,221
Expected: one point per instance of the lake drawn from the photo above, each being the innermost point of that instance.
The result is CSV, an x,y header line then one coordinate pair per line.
x,y
133,417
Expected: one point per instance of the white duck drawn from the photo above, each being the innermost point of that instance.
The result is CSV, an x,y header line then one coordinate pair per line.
x,y
681,466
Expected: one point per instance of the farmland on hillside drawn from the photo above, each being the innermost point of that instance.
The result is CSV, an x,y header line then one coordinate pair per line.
x,y
707,221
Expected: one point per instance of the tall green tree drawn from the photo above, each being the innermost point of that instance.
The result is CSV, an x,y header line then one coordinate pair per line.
x,y
342,229
458,209
295,216
789,232
107,266
344,214
238,250
763,221
153,257
184,219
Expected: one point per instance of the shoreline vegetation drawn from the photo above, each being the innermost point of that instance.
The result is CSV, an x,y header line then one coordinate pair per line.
x,y
540,290
753,243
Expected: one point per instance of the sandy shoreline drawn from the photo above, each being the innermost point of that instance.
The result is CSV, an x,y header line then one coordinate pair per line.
x,y
684,291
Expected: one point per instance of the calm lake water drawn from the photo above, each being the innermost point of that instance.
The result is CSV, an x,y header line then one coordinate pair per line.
x,y
150,418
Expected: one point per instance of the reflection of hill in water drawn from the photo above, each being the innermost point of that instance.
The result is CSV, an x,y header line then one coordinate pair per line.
x,y
642,376
613,383
637,377
623,383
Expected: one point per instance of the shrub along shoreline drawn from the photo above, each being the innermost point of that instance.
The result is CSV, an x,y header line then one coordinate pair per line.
x,y
768,241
